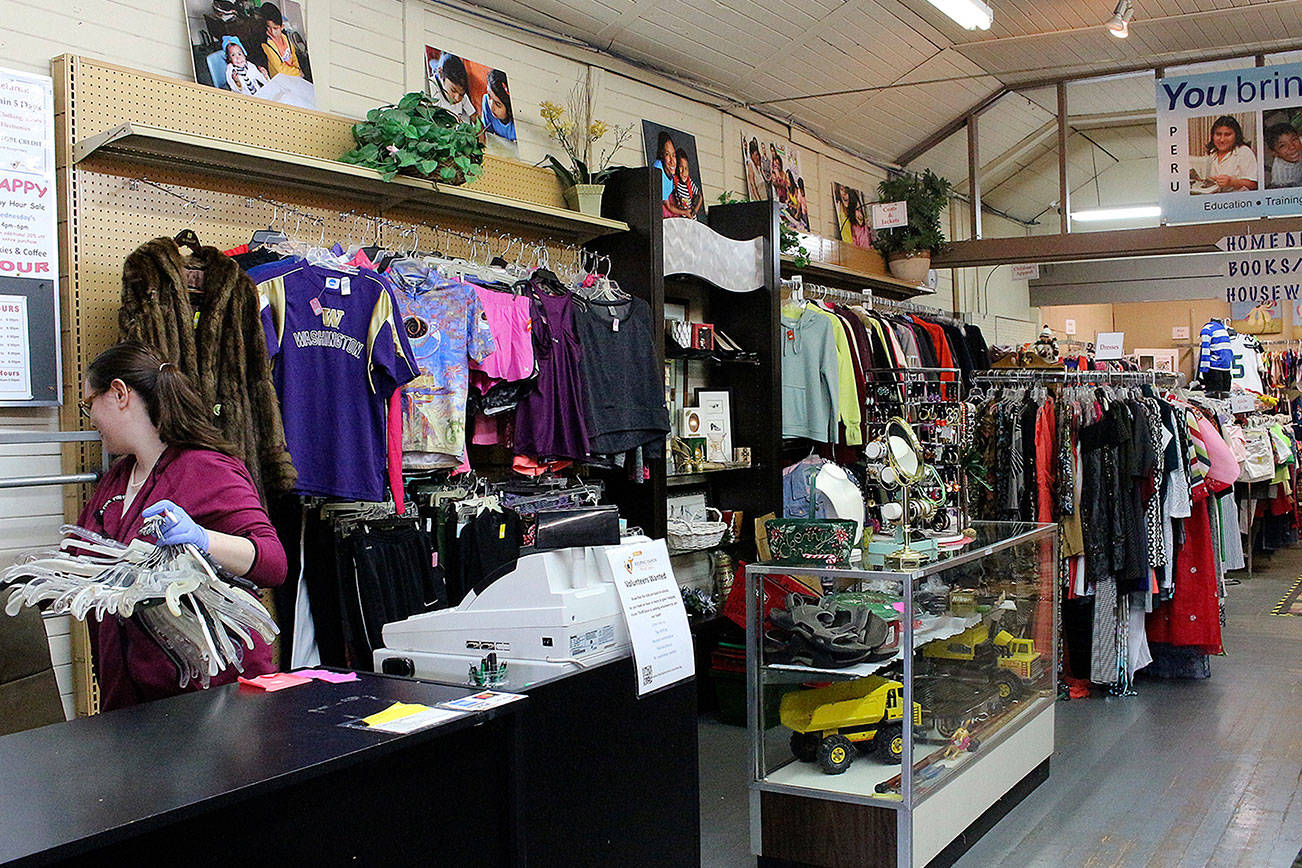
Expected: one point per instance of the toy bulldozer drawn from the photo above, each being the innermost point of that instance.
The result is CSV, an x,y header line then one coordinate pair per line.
x,y
829,723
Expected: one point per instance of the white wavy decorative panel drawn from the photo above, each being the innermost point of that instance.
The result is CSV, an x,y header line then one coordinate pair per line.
x,y
691,247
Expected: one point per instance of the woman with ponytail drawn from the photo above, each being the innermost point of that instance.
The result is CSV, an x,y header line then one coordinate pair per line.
x,y
172,463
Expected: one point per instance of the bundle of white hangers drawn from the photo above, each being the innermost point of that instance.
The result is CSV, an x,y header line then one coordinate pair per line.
x,y
200,620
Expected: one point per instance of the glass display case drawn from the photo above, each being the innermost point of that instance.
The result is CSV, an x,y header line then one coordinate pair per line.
x,y
845,693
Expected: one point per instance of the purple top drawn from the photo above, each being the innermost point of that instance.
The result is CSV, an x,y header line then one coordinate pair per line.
x,y
549,421
337,354
218,493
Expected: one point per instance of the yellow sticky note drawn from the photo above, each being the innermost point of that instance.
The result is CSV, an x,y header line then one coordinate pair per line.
x,y
394,712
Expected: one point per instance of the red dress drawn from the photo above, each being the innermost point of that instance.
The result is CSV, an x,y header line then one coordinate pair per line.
x,y
1192,616
218,493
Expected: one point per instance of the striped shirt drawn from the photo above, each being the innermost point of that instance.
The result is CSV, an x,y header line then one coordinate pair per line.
x,y
1215,353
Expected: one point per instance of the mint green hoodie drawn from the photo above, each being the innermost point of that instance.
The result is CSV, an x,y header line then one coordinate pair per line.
x,y
809,387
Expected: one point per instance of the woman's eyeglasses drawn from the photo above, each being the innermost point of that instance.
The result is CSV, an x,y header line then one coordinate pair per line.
x,y
84,405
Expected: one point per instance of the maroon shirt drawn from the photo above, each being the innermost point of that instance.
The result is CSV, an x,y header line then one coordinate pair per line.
x,y
218,493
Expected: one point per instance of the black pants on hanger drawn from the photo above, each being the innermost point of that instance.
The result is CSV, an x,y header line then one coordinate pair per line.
x,y
316,559
385,575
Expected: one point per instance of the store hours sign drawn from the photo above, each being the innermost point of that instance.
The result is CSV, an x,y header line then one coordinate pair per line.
x,y
29,268
1228,144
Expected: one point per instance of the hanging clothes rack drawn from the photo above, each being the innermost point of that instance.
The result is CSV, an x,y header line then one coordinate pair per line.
x,y
1026,375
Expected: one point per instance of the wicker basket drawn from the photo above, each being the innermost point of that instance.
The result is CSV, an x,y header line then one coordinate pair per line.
x,y
693,536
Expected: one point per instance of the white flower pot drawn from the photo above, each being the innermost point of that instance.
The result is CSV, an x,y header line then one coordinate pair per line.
x,y
912,267
585,198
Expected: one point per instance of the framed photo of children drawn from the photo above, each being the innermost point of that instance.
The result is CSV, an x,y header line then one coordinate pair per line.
x,y
473,91
251,47
673,152
850,209
773,172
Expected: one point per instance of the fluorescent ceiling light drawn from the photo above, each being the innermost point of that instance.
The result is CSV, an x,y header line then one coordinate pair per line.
x,y
1119,23
1129,212
971,14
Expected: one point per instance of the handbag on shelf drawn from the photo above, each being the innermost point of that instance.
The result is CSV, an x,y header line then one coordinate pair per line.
x,y
824,542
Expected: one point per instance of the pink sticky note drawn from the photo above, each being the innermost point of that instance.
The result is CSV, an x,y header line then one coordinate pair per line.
x,y
326,675
899,607
275,681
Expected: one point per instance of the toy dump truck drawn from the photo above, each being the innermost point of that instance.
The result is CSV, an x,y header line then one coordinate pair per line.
x,y
829,724
1009,663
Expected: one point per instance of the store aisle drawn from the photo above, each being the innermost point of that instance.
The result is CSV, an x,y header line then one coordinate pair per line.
x,y
1183,774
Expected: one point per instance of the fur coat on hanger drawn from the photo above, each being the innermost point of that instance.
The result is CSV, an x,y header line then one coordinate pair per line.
x,y
223,350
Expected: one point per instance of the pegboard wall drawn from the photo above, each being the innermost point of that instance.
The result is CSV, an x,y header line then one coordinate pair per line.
x,y
101,96
104,216
106,210
117,212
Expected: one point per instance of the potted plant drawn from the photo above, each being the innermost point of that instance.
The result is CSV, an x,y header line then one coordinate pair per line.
x,y
908,249
577,132
416,137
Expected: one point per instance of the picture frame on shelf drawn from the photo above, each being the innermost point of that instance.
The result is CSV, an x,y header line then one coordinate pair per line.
x,y
715,409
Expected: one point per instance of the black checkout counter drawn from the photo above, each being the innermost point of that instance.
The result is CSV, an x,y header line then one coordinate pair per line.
x,y
581,773
234,775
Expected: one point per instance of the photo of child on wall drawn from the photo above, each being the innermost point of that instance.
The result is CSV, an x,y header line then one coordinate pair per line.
x,y
673,152
1283,152
473,91
256,49
850,210
773,172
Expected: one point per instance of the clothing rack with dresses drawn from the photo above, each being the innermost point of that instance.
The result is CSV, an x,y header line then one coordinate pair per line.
x,y
1140,479
1078,378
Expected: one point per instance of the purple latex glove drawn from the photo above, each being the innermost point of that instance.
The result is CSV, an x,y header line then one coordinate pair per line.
x,y
178,527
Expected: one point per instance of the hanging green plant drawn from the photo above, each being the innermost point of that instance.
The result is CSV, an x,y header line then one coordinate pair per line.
x,y
417,137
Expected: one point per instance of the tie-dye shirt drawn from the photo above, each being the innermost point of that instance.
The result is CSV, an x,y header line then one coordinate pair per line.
x,y
447,327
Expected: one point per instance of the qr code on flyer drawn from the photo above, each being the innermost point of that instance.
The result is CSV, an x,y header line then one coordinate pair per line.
x,y
647,677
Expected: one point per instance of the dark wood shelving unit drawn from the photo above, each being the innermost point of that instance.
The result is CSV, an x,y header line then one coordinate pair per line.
x,y
709,356
632,197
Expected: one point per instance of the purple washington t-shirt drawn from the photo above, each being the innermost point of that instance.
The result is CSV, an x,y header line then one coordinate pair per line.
x,y
337,354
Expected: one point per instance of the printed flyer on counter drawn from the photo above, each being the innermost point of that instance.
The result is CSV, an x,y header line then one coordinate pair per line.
x,y
653,609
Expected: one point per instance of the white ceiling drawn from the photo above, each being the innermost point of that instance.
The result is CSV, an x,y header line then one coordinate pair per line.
x,y
768,51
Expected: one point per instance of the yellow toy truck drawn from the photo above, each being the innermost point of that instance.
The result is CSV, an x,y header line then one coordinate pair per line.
x,y
829,723
1016,662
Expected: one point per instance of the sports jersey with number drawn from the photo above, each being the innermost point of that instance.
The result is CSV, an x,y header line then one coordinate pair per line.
x,y
337,353
1246,371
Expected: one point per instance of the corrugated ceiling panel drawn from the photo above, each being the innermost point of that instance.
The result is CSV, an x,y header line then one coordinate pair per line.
x,y
1107,96
948,159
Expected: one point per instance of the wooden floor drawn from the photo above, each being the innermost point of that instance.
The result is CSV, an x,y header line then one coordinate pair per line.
x,y
1187,773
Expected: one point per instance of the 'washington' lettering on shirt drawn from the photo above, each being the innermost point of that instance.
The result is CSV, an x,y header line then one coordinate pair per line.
x,y
324,338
